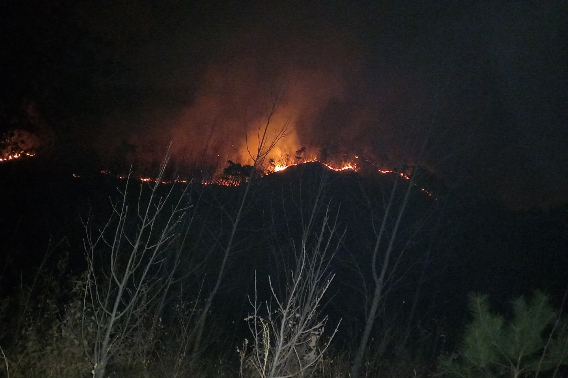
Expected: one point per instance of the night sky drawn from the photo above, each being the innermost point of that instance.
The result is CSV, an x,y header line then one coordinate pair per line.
x,y
475,91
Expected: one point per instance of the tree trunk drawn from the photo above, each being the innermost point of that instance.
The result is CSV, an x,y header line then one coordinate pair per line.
x,y
379,281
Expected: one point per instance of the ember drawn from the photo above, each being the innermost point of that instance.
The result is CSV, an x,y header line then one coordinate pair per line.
x,y
225,179
15,156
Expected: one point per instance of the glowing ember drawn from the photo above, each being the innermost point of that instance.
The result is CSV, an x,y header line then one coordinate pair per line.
x,y
388,171
279,166
16,155
344,167
427,192
273,168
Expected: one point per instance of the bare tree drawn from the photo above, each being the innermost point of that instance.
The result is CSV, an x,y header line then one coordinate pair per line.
x,y
379,276
172,263
125,274
287,341
258,155
385,256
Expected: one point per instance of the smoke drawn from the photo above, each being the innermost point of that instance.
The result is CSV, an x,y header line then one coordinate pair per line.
x,y
301,75
208,92
314,67
423,83
343,84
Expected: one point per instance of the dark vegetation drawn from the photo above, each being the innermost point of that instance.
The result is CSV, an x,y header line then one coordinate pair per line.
x,y
454,244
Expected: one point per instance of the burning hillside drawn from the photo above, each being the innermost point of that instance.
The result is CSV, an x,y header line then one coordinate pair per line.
x,y
236,174
18,144
15,155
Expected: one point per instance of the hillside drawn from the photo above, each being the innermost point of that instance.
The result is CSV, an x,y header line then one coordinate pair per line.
x,y
447,246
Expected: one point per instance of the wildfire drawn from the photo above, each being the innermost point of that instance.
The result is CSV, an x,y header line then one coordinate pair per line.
x,y
17,144
278,166
148,179
388,171
274,167
16,155
344,167
142,179
429,193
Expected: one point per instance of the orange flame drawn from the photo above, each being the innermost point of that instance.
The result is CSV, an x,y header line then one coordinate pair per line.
x,y
344,167
16,155
274,168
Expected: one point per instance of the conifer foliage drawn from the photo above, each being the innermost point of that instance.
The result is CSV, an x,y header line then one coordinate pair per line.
x,y
533,340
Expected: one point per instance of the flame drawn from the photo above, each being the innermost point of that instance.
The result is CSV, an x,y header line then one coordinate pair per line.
x,y
388,171
280,167
344,167
17,144
16,155
274,167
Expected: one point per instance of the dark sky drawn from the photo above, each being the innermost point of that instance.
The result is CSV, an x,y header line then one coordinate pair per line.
x,y
484,83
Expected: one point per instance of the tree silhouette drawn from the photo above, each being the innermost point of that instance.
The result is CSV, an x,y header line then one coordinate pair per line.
x,y
236,172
